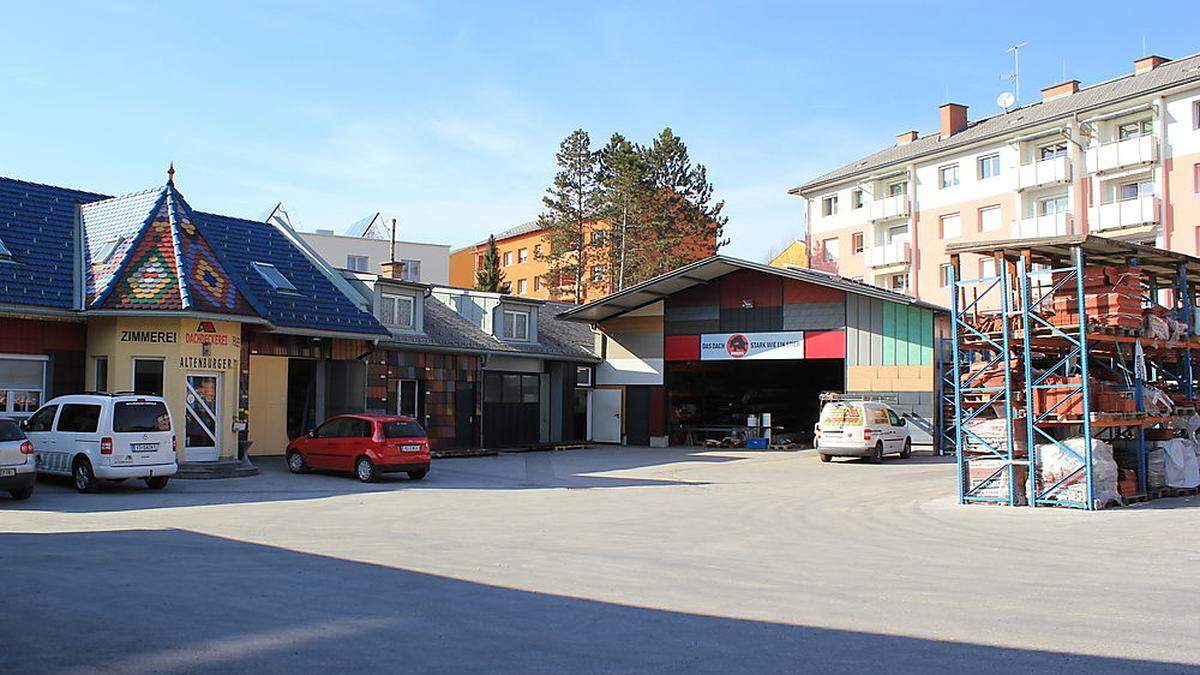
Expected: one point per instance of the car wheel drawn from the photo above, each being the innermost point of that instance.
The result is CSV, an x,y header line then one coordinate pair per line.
x,y
296,463
365,470
157,482
877,456
826,458
21,494
907,451
417,475
84,477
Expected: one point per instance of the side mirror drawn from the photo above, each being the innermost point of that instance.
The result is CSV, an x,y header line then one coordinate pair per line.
x,y
312,433
25,424
903,421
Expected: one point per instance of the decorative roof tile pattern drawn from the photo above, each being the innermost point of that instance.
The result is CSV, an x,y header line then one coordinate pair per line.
x,y
1106,93
110,229
37,225
150,278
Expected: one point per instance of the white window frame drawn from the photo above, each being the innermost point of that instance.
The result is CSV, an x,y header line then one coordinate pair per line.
x,y
1040,207
98,385
858,242
856,199
357,263
398,298
829,205
943,172
271,274
892,190
990,159
506,259
586,373
411,270
597,274
1057,149
9,400
942,225
945,275
522,255
995,208
836,250
515,314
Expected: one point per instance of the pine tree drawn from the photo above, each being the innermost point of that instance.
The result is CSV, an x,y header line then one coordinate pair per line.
x,y
683,211
625,177
491,277
572,204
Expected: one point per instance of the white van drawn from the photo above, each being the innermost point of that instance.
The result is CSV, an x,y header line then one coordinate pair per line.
x,y
99,436
861,429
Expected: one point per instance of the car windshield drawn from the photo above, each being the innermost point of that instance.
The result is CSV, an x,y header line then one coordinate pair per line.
x,y
10,431
134,416
402,430
841,415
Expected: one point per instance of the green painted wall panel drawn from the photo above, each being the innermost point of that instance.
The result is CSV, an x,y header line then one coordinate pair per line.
x,y
926,337
889,333
915,315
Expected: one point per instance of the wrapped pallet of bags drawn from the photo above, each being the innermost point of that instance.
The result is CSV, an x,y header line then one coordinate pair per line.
x,y
1182,469
1156,467
1055,464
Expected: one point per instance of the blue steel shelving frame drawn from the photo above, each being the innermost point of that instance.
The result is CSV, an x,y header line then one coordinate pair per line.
x,y
1072,349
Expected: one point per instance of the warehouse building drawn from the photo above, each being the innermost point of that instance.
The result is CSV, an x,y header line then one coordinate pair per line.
x,y
692,354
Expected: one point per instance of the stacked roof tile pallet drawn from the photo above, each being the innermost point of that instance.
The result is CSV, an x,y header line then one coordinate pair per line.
x,y
1031,380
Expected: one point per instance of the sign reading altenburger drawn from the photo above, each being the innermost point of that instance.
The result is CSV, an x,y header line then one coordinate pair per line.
x,y
752,346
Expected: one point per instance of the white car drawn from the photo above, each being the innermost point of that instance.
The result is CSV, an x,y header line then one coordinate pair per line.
x,y
18,464
104,436
849,428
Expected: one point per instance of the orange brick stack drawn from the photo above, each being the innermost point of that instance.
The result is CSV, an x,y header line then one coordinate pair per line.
x,y
1112,296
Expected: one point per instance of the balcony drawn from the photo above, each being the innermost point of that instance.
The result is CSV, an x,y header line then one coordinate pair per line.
x,y
1046,172
1122,154
1128,213
895,253
1051,225
895,206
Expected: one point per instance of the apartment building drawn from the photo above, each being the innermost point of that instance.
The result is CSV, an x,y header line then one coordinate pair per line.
x,y
1120,158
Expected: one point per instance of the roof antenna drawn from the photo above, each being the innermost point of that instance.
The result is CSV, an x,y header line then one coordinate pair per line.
x,y
1143,45
393,258
1016,73
171,174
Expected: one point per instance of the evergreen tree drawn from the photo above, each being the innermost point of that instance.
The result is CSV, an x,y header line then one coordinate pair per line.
x,y
683,211
627,189
572,204
491,277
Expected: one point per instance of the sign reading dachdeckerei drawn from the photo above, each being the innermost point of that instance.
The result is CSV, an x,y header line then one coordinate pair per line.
x,y
752,346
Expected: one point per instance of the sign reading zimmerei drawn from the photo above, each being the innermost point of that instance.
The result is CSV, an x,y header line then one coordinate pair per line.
x,y
752,346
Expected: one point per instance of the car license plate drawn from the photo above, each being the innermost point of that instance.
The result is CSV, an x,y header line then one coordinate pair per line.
x,y
411,448
8,472
143,447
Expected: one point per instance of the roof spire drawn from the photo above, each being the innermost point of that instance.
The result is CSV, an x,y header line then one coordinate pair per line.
x,y
171,174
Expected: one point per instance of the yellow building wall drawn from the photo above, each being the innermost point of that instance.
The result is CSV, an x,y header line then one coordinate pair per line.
x,y
795,254
268,405
179,343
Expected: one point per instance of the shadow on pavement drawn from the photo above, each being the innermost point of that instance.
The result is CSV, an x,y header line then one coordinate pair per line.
x,y
175,601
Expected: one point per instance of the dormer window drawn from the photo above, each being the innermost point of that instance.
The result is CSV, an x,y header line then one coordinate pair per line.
x,y
274,277
107,249
398,311
516,325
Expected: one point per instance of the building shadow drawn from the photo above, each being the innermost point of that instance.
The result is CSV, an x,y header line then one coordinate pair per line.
x,y
180,601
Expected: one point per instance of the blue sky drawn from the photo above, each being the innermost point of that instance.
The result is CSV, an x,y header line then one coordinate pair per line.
x,y
448,114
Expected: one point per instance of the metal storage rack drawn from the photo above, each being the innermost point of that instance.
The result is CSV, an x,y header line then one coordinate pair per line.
x,y
1019,300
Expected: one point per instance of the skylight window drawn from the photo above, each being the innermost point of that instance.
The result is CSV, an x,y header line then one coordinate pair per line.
x,y
107,249
5,254
274,277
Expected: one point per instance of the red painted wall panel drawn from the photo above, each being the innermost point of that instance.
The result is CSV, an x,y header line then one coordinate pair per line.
x,y
704,295
681,348
825,344
764,290
801,293
27,336
658,411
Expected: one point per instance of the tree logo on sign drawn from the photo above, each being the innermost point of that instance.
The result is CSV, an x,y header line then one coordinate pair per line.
x,y
737,345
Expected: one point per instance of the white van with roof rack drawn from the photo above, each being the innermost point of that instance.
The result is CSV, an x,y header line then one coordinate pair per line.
x,y
101,436
851,427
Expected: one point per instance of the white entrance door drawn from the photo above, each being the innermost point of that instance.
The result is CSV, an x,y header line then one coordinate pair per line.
x,y
202,410
606,415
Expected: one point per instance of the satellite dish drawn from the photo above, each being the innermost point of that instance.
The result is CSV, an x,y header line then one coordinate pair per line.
x,y
1006,100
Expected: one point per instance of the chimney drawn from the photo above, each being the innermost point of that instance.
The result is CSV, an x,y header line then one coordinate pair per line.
x,y
392,270
906,137
1148,63
954,118
1059,90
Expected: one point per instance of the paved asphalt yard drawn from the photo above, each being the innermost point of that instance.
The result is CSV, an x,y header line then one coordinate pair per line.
x,y
609,559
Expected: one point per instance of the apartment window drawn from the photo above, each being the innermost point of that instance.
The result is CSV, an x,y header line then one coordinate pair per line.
x,y
856,199
829,205
537,283
507,258
22,385
478,262
898,188
1051,151
989,219
898,283
148,376
947,274
989,166
599,237
397,311
516,325
583,376
1133,190
1052,205
522,255
987,268
537,252
1134,129
951,226
521,287
897,233
948,176
357,263
856,242
412,270
1196,178
100,370
597,274
1196,115
830,246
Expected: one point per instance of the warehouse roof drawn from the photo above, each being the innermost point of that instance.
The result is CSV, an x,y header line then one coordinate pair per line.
x,y
704,271
1106,93
1057,251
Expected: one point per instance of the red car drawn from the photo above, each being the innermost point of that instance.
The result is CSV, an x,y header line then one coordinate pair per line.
x,y
366,444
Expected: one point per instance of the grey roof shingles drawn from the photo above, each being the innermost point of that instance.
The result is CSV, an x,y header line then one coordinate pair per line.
x,y
1113,91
